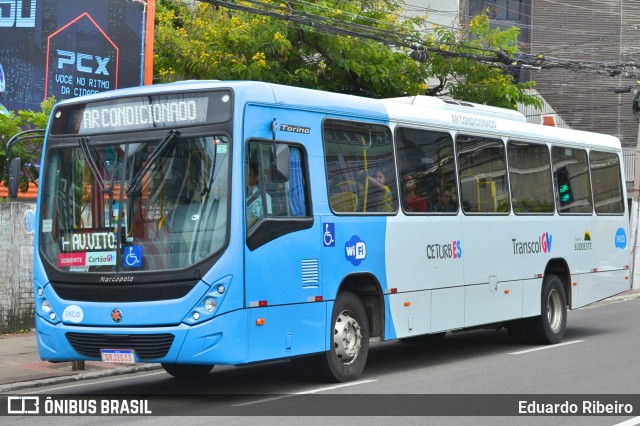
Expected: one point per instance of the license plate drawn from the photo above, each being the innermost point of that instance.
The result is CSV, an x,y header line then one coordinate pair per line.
x,y
123,356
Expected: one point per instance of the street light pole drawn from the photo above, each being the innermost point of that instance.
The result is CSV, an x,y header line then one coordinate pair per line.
x,y
635,207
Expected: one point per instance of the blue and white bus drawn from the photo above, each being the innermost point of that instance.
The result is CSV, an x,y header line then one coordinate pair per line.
x,y
213,222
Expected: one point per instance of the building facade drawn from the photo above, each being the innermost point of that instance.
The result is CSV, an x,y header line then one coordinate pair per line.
x,y
586,33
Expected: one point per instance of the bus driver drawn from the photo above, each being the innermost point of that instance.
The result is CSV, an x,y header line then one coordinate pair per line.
x,y
254,196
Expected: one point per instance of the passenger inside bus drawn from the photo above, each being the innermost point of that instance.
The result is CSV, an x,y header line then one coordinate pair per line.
x,y
447,202
380,198
413,202
254,196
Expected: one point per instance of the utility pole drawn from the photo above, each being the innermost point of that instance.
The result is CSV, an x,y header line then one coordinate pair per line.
x,y
635,210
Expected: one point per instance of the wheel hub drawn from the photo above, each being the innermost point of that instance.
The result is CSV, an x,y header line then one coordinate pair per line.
x,y
347,338
554,310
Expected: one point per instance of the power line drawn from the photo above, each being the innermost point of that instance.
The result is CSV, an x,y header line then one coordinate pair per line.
x,y
421,49
350,28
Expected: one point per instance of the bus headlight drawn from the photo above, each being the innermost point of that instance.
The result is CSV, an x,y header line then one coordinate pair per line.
x,y
210,304
45,306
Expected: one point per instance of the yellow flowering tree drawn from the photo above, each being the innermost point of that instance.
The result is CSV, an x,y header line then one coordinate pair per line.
x,y
202,41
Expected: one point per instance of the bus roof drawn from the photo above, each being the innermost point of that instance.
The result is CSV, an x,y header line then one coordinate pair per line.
x,y
260,92
489,120
414,110
460,106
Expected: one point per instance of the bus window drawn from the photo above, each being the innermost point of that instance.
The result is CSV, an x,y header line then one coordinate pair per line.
x,y
571,177
258,200
482,174
427,171
90,193
607,186
361,174
530,178
265,198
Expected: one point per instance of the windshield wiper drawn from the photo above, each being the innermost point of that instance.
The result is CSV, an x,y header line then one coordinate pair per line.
x,y
84,145
164,143
207,188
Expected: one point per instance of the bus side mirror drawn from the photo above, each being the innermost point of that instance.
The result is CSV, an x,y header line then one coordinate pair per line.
x,y
14,177
280,163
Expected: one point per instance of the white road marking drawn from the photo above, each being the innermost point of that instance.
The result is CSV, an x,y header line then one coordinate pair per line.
x,y
631,422
312,391
542,348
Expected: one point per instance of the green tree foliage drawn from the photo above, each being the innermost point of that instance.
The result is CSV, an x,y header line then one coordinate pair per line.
x,y
202,41
30,150
206,42
466,78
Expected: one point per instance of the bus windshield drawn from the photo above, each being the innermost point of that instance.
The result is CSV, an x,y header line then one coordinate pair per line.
x,y
133,206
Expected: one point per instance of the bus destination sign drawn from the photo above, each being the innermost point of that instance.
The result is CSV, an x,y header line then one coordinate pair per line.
x,y
142,113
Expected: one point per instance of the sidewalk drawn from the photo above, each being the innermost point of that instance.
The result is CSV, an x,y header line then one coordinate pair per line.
x,y
21,367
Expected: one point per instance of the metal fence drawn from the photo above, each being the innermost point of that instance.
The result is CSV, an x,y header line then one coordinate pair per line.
x,y
629,159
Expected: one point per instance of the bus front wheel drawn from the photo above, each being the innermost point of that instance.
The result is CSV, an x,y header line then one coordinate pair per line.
x,y
549,327
349,338
187,371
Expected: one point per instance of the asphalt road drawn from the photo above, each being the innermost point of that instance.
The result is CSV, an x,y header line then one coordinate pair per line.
x,y
477,377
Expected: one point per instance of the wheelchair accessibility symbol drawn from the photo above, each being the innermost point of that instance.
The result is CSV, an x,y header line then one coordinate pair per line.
x,y
133,256
328,236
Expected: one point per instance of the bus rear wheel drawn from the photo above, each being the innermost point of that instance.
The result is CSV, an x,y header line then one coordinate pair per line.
x,y
349,340
187,371
549,327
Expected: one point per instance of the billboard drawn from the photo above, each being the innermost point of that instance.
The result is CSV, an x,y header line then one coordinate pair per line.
x,y
68,48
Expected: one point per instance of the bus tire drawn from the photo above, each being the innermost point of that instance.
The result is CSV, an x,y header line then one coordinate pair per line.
x,y
349,338
187,371
549,327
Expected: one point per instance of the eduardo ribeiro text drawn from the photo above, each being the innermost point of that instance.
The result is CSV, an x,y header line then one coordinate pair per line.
x,y
566,407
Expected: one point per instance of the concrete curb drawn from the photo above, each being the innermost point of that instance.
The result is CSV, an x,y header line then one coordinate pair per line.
x,y
78,377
